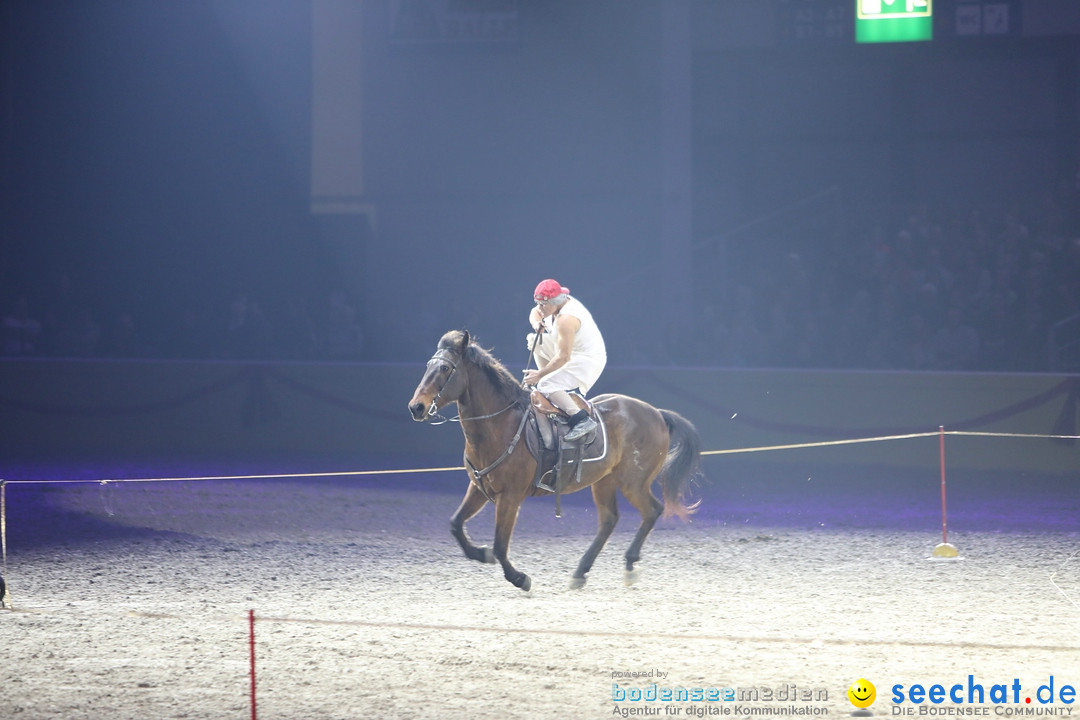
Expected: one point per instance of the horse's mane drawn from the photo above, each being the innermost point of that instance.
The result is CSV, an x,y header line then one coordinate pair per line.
x,y
501,379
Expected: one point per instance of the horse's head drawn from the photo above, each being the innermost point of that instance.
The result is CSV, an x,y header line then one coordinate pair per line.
x,y
444,380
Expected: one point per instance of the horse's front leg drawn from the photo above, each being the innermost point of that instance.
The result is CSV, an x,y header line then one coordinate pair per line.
x,y
471,504
506,513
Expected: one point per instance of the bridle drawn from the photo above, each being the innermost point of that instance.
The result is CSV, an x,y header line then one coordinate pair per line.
x,y
433,411
477,475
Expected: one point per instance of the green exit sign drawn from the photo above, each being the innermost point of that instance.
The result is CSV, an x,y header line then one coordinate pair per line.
x,y
893,20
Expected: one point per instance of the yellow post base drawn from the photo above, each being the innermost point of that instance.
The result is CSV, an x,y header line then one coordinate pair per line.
x,y
945,550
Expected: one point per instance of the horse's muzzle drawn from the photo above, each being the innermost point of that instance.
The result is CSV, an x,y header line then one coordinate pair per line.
x,y
418,411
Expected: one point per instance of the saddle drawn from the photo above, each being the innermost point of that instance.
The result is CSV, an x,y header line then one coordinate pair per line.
x,y
556,460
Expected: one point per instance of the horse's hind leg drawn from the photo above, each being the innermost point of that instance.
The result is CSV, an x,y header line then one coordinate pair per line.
x,y
607,514
471,504
506,512
651,508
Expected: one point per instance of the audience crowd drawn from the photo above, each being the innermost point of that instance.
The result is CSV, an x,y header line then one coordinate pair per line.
x,y
66,326
937,291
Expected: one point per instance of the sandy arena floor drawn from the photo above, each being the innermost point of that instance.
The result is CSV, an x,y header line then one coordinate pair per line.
x,y
131,600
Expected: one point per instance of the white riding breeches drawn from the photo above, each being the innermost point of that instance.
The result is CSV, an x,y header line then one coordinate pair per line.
x,y
579,373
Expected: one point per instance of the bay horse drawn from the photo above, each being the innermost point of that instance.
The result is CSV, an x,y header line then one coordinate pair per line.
x,y
643,443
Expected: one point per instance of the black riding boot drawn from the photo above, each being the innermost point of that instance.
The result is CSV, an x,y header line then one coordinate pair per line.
x,y
580,426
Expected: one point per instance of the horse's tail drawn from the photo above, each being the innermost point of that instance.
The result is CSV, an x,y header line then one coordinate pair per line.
x,y
682,465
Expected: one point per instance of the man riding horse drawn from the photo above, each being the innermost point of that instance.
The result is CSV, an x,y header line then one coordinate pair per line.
x,y
569,352
642,444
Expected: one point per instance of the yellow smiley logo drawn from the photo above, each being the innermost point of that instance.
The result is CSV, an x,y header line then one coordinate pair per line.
x,y
862,693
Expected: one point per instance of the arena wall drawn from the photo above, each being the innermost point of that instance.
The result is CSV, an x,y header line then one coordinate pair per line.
x,y
72,409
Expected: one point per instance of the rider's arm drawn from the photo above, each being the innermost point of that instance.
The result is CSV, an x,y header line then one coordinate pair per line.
x,y
568,327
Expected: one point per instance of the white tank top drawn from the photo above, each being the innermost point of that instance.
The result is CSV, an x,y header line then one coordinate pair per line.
x,y
588,342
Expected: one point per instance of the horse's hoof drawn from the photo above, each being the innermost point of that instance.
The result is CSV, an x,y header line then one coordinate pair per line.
x,y
631,577
487,555
526,584
576,583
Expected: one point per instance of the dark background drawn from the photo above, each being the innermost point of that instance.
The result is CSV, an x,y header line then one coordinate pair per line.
x,y
157,183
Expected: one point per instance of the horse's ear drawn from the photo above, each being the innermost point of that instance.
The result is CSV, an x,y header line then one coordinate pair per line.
x,y
464,339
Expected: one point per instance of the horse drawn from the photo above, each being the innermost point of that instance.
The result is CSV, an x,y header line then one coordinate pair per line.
x,y
643,443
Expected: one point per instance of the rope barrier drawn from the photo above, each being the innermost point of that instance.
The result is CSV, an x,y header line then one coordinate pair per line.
x,y
820,443
264,476
941,432
406,471
879,438
974,433
570,632
558,632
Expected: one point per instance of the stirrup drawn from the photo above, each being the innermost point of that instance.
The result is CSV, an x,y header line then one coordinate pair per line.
x,y
552,476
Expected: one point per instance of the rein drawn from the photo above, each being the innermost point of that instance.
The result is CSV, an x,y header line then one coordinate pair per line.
x,y
477,475
458,418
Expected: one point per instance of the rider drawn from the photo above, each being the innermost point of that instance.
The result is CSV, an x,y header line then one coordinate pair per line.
x,y
569,351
